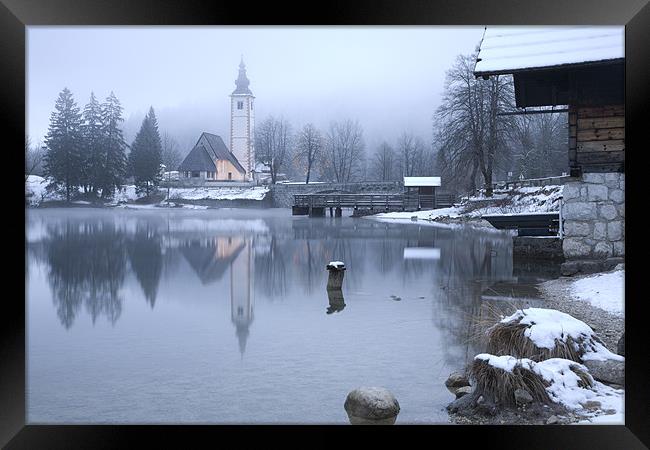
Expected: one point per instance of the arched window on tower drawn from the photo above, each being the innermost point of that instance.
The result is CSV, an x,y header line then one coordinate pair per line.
x,y
240,105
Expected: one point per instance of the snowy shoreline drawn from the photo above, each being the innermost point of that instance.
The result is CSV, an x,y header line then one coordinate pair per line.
x,y
525,200
598,301
38,196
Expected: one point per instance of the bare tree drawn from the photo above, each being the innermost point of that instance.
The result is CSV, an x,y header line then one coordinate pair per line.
x,y
383,166
343,155
273,144
538,145
412,155
171,157
33,158
473,132
309,145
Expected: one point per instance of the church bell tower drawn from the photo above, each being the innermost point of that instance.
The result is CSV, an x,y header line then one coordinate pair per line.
x,y
242,123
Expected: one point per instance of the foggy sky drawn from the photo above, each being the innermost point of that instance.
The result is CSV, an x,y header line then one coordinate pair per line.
x,y
389,78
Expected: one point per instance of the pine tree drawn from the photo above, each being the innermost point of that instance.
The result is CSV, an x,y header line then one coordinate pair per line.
x,y
146,155
114,146
63,158
93,160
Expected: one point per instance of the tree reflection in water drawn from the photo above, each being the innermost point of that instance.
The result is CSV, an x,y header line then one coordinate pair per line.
x,y
87,259
145,256
87,265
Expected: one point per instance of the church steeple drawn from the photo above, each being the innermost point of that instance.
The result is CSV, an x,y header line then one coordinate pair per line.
x,y
242,81
242,123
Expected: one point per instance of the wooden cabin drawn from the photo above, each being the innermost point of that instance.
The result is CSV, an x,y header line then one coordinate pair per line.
x,y
579,68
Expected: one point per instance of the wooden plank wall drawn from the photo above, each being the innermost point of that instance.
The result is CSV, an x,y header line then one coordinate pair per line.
x,y
597,138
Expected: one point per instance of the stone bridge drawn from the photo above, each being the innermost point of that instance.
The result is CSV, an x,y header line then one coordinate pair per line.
x,y
283,193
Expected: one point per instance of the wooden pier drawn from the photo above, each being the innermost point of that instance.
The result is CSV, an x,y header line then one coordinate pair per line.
x,y
314,205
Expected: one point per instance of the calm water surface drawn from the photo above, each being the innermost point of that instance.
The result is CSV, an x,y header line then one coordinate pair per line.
x,y
222,316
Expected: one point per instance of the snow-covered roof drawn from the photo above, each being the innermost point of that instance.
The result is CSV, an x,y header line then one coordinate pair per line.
x,y
514,49
421,181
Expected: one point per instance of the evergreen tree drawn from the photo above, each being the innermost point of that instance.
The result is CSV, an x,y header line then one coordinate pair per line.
x,y
63,158
146,155
114,146
93,161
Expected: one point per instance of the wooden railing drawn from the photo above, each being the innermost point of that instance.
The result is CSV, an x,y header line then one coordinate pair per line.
x,y
386,202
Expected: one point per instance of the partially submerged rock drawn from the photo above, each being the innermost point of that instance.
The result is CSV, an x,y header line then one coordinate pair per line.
x,y
371,406
462,391
456,381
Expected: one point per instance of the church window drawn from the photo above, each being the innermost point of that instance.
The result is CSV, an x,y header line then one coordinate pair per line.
x,y
240,311
230,175
240,105
251,106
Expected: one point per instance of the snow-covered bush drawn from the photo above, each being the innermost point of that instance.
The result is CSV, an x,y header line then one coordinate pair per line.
x,y
540,334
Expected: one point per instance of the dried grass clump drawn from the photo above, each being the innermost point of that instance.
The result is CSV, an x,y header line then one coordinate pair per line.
x,y
487,316
508,338
586,380
499,385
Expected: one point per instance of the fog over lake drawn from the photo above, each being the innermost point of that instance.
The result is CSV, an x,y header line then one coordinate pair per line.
x,y
389,78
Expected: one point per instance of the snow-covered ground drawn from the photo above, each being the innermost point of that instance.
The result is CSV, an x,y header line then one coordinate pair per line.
x,y
301,182
605,291
36,193
219,193
525,200
432,214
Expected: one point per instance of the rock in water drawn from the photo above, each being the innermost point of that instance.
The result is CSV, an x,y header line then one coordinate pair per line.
x,y
462,391
620,348
608,371
371,406
523,397
456,380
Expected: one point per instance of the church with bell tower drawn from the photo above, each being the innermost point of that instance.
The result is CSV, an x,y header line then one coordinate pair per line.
x,y
210,159
242,123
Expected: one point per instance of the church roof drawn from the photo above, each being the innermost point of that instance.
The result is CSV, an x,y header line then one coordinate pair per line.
x,y
203,260
220,151
209,148
198,159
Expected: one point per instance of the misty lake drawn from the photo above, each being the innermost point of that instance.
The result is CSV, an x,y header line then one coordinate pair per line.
x,y
222,316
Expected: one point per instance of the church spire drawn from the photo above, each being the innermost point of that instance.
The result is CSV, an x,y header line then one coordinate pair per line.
x,y
242,81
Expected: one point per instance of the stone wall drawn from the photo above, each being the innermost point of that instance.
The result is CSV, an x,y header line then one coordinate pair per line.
x,y
537,247
593,210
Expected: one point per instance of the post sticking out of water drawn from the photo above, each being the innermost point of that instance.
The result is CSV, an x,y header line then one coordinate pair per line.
x,y
336,270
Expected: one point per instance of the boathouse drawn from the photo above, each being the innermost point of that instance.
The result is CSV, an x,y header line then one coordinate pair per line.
x,y
578,71
422,190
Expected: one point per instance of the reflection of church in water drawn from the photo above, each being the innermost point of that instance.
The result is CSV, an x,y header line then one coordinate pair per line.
x,y
211,258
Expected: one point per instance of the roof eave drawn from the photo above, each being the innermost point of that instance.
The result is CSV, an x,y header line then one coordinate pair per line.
x,y
488,73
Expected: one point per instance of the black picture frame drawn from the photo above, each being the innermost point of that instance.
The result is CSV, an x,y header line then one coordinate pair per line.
x,y
15,15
